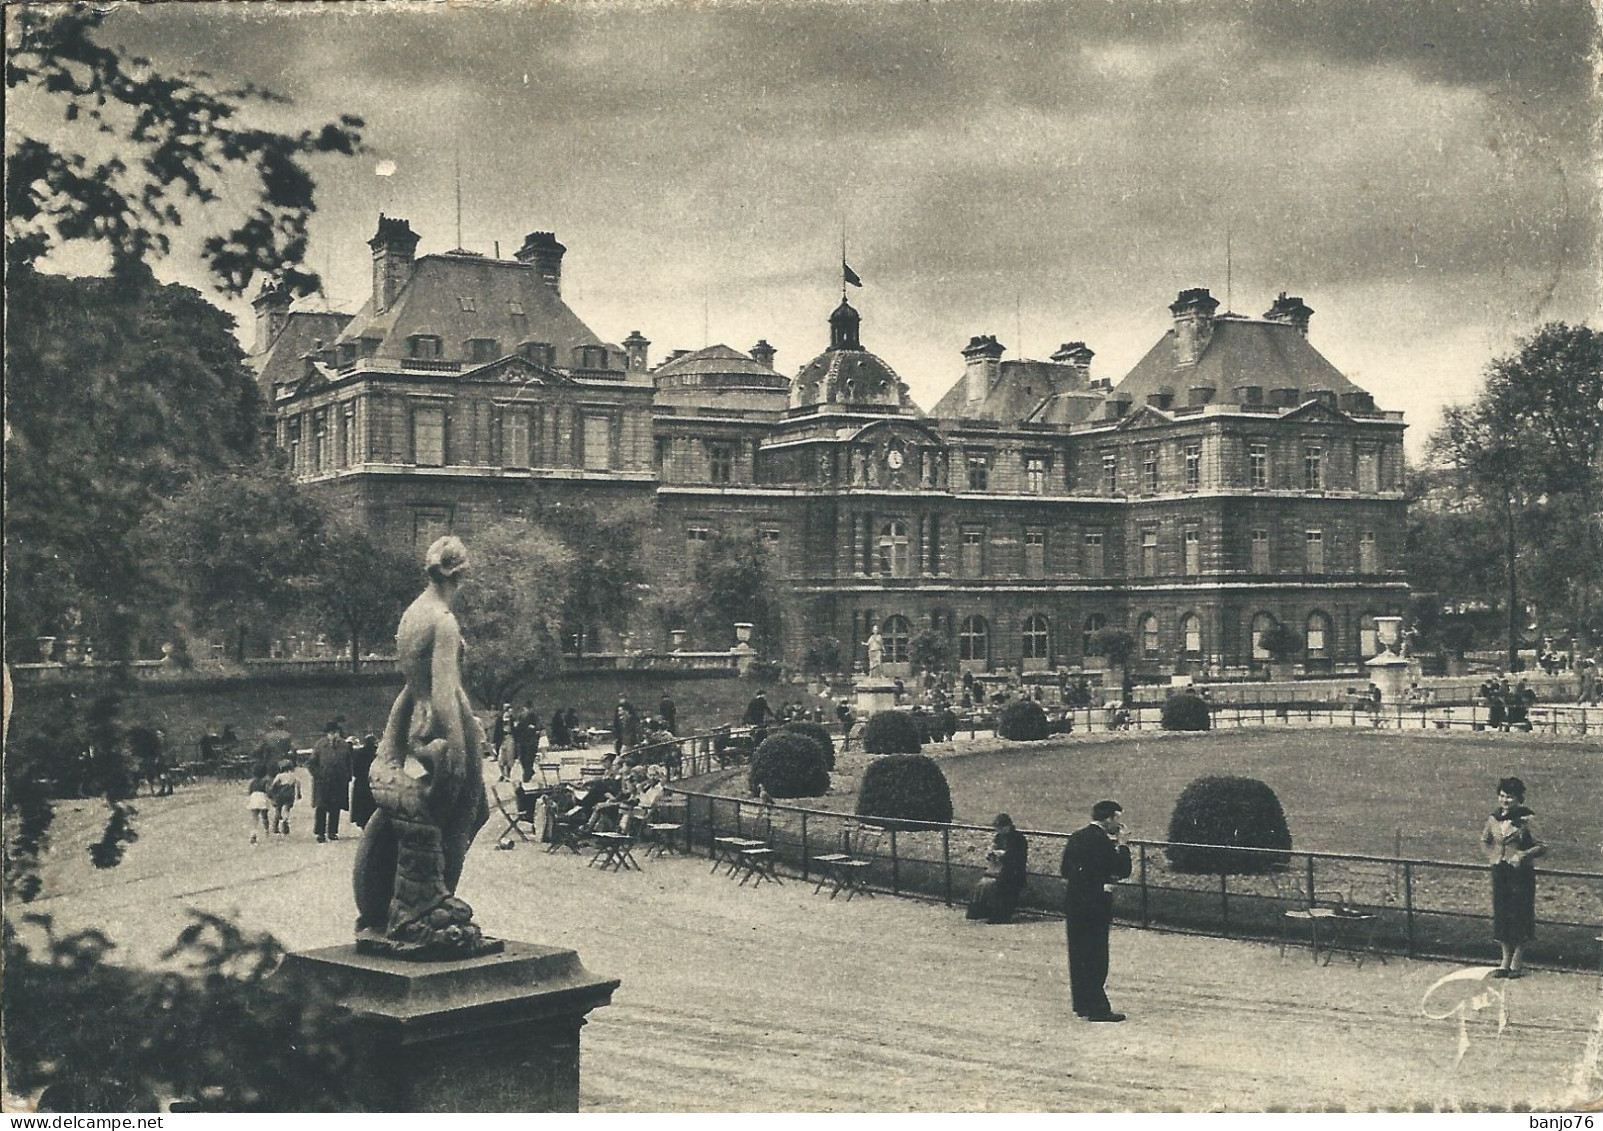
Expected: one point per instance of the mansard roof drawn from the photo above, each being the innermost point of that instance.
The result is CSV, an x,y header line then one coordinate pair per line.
x,y
281,363
719,365
1239,351
463,297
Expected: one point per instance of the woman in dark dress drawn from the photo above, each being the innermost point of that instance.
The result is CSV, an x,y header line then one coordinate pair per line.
x,y
1511,845
362,803
997,895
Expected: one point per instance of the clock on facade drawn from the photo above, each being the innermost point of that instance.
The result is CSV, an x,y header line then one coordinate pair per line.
x,y
894,458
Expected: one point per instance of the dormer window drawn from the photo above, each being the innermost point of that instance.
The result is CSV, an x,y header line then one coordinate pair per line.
x,y
347,354
482,349
425,347
541,353
468,303
514,307
592,357
366,347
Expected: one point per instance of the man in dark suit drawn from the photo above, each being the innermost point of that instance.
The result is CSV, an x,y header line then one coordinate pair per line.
x,y
1094,859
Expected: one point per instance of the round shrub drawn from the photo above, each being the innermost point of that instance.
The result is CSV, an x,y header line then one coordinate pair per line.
x,y
1233,812
1022,721
819,734
904,787
788,765
1186,712
891,732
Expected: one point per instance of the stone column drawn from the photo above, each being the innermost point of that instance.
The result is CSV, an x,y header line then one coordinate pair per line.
x,y
499,1032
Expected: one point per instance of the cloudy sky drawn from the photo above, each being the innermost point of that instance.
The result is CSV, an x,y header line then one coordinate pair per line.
x,y
1425,176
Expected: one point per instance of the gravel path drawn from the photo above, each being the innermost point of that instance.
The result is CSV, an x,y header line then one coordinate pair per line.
x,y
741,999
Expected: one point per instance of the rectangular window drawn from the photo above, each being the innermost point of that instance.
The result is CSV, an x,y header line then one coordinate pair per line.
x,y
425,347
292,440
1036,469
1110,474
770,537
1313,478
663,447
1368,470
428,435
1091,561
695,539
1149,553
1149,471
348,434
979,471
597,442
1258,466
1368,558
1260,551
515,433
1192,540
1315,556
721,462
973,553
320,445
514,307
1193,466
1035,553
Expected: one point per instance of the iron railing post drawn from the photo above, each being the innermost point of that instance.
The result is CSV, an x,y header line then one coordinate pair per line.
x,y
946,860
1408,904
1141,853
1224,904
896,867
804,846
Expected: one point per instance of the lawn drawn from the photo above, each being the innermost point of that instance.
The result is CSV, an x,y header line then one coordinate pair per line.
x,y
1343,791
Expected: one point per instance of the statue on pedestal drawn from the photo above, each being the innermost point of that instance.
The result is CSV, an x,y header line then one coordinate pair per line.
x,y
428,785
876,653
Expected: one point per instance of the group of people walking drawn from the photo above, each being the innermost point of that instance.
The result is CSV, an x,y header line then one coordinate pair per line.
x,y
337,765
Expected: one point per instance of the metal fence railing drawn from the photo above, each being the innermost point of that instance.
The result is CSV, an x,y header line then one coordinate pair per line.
x,y
1414,907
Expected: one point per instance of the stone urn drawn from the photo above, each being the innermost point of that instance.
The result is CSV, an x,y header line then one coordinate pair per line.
x,y
47,649
678,636
742,633
1389,630
167,650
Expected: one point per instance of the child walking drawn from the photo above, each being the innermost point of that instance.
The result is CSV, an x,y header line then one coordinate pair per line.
x,y
285,791
256,802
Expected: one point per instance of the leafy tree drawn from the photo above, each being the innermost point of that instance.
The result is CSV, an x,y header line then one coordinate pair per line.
x,y
1528,454
930,651
823,655
511,607
120,391
1281,641
733,581
241,549
362,583
179,145
610,578
1114,643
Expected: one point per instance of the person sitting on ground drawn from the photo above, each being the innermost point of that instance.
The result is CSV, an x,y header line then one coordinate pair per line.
x,y
996,897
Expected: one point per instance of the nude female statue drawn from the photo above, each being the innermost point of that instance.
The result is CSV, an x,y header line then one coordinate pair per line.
x,y
429,787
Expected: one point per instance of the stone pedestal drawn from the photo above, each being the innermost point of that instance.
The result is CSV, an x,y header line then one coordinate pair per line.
x,y
873,693
495,1033
1390,673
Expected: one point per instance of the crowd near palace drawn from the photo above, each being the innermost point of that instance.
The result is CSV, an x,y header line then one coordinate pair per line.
x,y
1232,480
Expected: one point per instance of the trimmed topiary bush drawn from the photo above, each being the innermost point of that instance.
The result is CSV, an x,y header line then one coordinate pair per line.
x,y
1186,711
904,787
788,764
1022,721
1233,812
819,734
891,732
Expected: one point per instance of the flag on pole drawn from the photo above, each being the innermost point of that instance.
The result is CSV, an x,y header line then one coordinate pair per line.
x,y
848,275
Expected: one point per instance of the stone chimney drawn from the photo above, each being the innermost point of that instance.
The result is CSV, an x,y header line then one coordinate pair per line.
x,y
1193,324
272,312
763,353
637,344
982,361
394,247
541,251
1291,311
1077,356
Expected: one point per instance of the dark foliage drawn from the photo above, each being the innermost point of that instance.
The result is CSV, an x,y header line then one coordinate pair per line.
x,y
1281,641
179,143
891,732
1232,812
823,655
1184,711
1022,720
99,1037
904,787
789,764
819,734
1114,643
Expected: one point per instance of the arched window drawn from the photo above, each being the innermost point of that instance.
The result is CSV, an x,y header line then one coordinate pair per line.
x,y
1368,636
1148,632
974,639
896,632
1093,623
1191,634
893,549
1319,641
1036,638
1261,624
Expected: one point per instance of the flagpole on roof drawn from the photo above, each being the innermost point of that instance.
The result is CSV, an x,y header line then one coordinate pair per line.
x,y
843,257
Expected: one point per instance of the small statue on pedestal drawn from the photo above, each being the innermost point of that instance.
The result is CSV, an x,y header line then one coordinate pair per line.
x,y
428,784
876,653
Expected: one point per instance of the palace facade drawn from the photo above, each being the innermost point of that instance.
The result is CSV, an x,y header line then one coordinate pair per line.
x,y
1232,479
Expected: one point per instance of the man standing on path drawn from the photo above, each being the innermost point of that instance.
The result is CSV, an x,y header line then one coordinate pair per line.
x,y
330,767
526,739
1094,860
668,711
